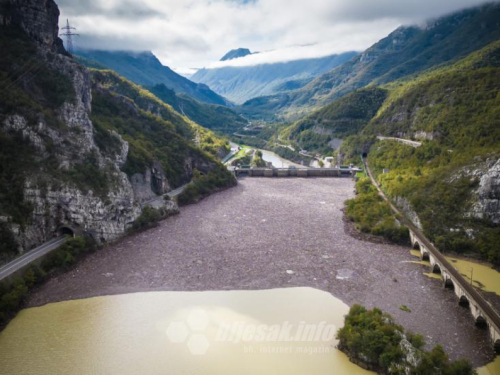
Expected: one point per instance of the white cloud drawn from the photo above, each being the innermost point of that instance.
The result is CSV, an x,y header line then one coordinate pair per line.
x,y
196,33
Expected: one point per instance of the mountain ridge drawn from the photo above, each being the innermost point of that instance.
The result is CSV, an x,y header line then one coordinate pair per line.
x,y
405,51
144,68
239,84
236,54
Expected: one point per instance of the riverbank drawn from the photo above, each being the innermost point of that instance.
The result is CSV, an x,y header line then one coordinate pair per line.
x,y
272,233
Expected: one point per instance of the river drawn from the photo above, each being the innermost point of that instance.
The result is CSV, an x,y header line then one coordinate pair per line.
x,y
278,161
180,333
262,234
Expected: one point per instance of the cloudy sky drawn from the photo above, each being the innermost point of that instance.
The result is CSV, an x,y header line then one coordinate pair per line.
x,y
188,34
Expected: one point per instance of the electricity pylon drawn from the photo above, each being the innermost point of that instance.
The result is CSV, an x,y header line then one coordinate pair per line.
x,y
68,34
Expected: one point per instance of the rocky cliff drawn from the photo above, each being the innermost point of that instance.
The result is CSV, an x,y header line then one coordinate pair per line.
x,y
59,167
62,136
487,205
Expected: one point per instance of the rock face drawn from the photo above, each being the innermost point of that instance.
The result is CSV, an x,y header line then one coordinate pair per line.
x,y
407,209
55,201
488,195
39,19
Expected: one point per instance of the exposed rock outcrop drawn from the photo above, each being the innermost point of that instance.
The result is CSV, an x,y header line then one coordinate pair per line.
x,y
406,207
56,201
488,194
39,19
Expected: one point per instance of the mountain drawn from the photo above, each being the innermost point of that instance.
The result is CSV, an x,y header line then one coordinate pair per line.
x,y
216,117
450,185
241,83
143,68
236,53
346,116
212,116
406,51
83,148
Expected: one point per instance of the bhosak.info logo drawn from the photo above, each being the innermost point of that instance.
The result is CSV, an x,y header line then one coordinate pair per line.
x,y
192,332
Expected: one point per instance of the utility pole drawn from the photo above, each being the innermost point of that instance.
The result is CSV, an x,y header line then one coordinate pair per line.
x,y
68,34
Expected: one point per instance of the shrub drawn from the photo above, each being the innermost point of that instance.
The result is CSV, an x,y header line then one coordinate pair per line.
x,y
373,215
203,185
372,337
148,218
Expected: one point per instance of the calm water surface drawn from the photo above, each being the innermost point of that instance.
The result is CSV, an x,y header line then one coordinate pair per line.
x,y
176,333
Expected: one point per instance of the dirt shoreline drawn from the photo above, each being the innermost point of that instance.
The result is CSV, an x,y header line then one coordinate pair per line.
x,y
252,236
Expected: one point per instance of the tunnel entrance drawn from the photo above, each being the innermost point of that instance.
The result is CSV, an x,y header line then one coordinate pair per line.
x,y
364,155
66,231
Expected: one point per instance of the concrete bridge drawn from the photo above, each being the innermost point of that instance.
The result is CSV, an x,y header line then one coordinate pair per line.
x,y
295,172
468,297
484,315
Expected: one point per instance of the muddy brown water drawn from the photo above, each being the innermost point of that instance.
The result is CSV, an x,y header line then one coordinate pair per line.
x,y
279,331
276,233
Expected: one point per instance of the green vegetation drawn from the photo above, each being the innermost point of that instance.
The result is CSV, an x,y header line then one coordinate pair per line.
x,y
45,89
371,214
204,184
149,218
458,108
405,308
344,117
143,68
216,117
8,244
257,160
153,130
372,338
16,159
12,295
89,176
405,52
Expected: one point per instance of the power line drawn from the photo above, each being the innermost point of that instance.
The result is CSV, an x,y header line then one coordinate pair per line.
x,y
69,34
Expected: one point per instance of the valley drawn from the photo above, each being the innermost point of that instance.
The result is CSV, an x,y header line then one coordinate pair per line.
x,y
145,209
259,236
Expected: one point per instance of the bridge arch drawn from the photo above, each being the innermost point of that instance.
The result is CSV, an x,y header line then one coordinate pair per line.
x,y
464,301
425,256
496,346
481,322
416,246
448,284
436,268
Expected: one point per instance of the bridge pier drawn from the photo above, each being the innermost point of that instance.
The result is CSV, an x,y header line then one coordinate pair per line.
x,y
482,313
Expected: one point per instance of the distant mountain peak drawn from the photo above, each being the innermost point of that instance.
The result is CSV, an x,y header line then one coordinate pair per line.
x,y
236,53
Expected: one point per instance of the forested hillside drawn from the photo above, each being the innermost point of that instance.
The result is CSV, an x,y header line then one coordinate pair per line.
x,y
143,68
79,149
344,117
212,116
152,129
451,182
406,51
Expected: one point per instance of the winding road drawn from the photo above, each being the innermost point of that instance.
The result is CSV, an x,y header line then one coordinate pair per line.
x,y
30,256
